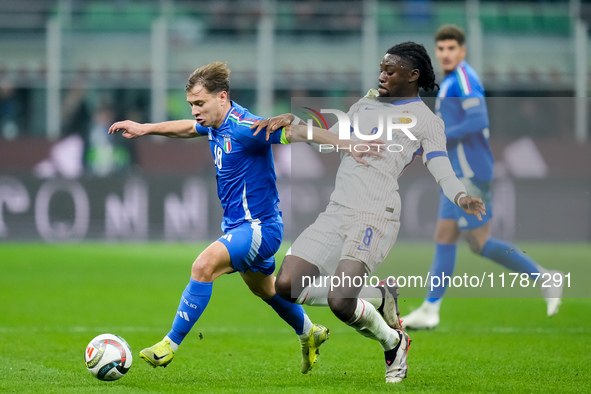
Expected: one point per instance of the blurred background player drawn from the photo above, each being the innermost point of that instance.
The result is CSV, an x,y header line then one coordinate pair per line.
x,y
352,237
462,107
252,223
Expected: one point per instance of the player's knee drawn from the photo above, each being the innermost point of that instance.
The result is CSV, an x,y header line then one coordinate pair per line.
x,y
262,292
283,287
445,237
475,247
474,243
202,270
343,308
446,232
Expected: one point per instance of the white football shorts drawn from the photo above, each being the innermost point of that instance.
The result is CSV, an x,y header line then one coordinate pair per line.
x,y
344,233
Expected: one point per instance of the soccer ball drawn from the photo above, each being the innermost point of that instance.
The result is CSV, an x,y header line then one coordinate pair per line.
x,y
108,357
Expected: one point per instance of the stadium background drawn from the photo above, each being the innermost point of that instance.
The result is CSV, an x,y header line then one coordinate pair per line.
x,y
73,201
69,68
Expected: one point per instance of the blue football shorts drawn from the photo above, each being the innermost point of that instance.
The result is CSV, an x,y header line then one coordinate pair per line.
x,y
253,245
449,210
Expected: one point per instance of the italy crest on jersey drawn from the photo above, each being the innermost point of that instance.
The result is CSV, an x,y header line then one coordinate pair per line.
x,y
227,144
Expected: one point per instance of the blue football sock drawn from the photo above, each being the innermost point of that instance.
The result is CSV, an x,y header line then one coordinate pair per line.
x,y
444,262
509,256
293,314
193,302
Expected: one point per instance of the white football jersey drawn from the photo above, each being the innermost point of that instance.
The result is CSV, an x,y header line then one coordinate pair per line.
x,y
374,188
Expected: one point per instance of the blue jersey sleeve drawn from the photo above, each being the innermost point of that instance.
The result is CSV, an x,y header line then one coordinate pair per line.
x,y
468,95
201,130
475,118
251,140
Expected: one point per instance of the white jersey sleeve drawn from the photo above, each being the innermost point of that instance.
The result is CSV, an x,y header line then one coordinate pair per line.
x,y
335,130
433,139
441,169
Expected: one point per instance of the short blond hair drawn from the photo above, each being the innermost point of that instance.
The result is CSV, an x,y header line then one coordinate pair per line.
x,y
214,77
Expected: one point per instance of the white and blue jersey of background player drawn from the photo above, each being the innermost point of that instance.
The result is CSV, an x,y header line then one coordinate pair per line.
x,y
461,105
246,183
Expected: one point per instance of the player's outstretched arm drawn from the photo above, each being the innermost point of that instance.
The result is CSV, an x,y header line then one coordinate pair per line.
x,y
324,138
297,131
275,123
172,129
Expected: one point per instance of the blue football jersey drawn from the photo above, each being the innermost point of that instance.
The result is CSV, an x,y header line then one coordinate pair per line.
x,y
245,171
462,107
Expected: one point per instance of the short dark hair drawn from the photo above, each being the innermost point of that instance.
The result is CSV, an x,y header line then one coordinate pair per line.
x,y
418,58
450,32
215,77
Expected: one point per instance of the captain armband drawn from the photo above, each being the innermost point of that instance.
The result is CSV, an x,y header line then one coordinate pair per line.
x,y
284,140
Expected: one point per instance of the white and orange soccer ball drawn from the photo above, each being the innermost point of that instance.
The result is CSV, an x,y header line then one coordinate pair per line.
x,y
108,357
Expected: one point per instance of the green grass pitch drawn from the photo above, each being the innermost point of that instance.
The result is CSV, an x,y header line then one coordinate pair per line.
x,y
55,298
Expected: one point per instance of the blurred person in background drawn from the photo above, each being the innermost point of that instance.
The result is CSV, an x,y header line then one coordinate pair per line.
x,y
85,146
105,154
67,155
9,109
